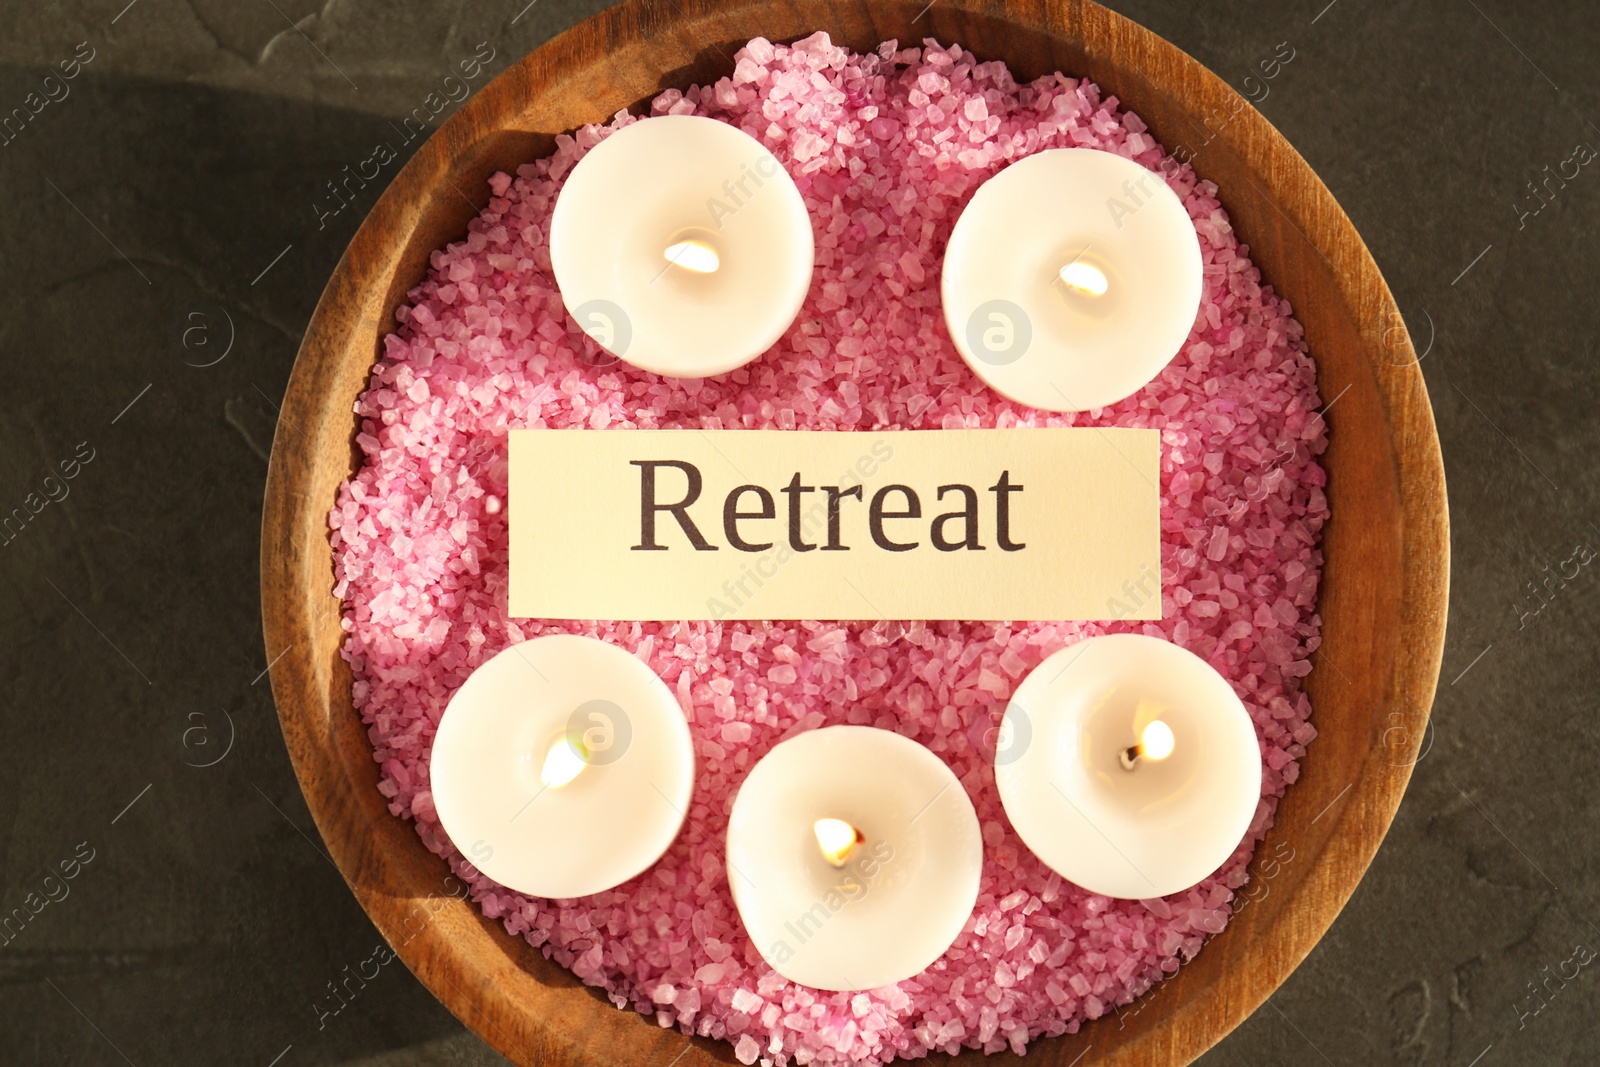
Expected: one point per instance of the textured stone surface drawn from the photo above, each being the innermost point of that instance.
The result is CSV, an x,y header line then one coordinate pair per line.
x,y
191,153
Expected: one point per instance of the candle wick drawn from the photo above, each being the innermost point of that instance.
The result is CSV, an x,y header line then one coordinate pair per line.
x,y
1129,757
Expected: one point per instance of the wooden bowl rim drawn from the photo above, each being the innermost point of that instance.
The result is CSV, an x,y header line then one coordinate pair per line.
x,y
492,995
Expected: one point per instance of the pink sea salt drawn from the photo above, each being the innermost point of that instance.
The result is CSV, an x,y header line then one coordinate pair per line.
x,y
885,148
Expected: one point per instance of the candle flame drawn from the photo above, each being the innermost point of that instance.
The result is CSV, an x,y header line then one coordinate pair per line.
x,y
697,256
1084,278
837,839
564,762
1156,741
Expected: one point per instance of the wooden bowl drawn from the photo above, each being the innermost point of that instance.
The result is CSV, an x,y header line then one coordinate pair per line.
x,y
1383,591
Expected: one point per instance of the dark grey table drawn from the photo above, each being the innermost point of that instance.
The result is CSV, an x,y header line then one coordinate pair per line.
x,y
166,201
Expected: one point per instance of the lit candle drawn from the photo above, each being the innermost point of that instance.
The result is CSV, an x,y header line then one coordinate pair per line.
x,y
562,767
1071,279
1143,770
854,856
682,246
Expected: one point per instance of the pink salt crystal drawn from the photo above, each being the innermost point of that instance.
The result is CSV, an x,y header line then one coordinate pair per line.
x,y
885,149
1217,546
1013,664
911,266
1157,907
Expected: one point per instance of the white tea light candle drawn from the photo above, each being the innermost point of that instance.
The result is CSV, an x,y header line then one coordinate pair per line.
x,y
562,767
682,246
854,856
1143,770
1071,279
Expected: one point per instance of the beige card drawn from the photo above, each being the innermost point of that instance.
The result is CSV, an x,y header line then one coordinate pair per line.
x,y
1021,524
